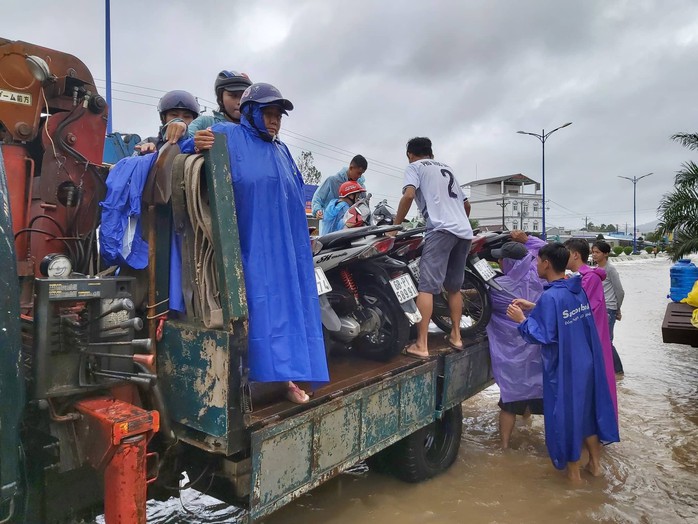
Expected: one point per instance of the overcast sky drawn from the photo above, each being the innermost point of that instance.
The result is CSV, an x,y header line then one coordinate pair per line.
x,y
365,76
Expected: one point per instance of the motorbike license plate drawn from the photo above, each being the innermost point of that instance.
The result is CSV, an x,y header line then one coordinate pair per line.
x,y
414,268
485,270
323,285
404,288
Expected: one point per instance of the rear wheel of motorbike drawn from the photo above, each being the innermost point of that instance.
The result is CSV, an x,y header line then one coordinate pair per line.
x,y
477,308
394,330
426,452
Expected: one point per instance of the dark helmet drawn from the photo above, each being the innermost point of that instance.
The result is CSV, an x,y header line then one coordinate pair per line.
x,y
262,93
231,81
178,100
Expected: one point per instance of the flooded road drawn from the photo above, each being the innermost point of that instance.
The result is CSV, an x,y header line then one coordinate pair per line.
x,y
650,476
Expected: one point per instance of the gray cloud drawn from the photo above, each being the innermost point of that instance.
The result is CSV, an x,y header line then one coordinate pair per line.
x,y
366,76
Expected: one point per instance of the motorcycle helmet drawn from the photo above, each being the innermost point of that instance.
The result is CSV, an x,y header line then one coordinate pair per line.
x,y
350,188
231,81
178,100
265,94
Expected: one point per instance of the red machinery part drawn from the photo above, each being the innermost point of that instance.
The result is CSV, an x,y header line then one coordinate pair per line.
x,y
114,435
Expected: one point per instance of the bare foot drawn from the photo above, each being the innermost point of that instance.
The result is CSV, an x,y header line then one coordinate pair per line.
x,y
573,473
594,468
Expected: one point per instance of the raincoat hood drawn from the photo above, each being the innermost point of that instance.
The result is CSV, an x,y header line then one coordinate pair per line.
x,y
253,119
516,269
573,283
584,269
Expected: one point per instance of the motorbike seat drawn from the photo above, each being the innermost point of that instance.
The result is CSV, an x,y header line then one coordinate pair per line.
x,y
347,236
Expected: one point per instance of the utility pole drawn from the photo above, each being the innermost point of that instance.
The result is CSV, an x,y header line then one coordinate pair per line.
x,y
635,180
503,204
586,223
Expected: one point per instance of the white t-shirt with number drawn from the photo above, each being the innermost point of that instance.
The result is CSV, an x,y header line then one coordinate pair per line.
x,y
439,197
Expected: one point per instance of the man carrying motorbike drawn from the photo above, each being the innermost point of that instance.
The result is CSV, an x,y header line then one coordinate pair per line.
x,y
335,210
447,241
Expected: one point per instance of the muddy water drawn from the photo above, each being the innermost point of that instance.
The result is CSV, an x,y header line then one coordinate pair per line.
x,y
651,476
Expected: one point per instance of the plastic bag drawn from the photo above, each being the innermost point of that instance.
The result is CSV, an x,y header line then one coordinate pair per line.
x,y
692,297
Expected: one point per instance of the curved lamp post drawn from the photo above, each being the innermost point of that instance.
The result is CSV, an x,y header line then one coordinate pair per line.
x,y
635,180
543,137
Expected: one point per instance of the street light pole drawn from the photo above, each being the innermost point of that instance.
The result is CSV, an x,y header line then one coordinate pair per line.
x,y
543,137
635,180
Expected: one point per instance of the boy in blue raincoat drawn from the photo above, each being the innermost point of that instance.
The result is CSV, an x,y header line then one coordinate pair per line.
x,y
576,400
285,332
336,209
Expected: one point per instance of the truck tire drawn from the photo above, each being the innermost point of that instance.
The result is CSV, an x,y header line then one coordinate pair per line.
x,y
428,451
476,306
394,331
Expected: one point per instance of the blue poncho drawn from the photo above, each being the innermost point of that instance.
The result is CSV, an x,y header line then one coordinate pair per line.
x,y
120,235
285,331
334,215
576,399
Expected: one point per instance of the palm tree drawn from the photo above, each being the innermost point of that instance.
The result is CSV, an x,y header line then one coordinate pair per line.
x,y
679,209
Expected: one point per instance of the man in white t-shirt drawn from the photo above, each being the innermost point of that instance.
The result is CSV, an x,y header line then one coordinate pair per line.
x,y
448,238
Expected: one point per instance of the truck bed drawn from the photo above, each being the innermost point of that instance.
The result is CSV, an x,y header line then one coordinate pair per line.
x,y
347,373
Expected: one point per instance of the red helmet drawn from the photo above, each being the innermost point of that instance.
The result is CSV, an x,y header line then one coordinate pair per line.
x,y
349,188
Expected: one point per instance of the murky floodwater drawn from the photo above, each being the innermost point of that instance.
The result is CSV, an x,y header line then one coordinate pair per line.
x,y
650,476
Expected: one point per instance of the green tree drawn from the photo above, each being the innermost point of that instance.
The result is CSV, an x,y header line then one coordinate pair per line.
x,y
678,209
306,164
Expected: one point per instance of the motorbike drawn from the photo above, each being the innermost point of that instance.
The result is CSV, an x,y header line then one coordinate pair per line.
x,y
364,308
366,298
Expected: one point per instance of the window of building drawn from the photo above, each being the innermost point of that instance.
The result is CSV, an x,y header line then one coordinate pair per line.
x,y
524,206
535,206
535,226
516,224
515,206
525,226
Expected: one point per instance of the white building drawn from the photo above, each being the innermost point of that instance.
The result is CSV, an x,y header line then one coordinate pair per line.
x,y
505,203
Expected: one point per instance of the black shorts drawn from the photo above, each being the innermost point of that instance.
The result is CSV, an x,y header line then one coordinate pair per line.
x,y
518,407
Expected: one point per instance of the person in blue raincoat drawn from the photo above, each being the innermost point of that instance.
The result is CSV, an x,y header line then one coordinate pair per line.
x,y
335,210
329,189
516,364
576,400
285,332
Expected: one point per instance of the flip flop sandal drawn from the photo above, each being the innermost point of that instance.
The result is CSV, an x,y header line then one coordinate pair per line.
x,y
447,338
414,355
297,395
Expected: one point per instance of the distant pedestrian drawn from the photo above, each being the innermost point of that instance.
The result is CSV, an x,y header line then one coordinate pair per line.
x,y
576,401
447,240
614,293
329,189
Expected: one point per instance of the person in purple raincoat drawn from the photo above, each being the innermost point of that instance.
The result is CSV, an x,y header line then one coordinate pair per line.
x,y
516,364
577,403
592,283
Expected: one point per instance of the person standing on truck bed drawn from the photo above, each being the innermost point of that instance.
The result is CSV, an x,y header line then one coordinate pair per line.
x,y
447,240
176,108
329,189
285,332
577,403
